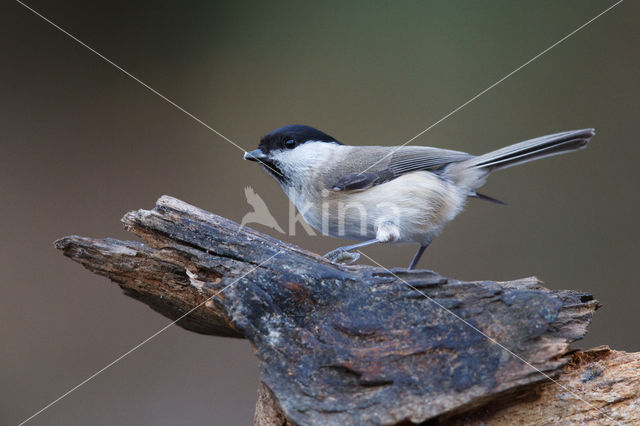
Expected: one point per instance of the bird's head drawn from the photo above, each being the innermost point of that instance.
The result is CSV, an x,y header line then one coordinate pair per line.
x,y
291,150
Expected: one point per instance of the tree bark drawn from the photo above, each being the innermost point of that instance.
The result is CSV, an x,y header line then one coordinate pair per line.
x,y
358,344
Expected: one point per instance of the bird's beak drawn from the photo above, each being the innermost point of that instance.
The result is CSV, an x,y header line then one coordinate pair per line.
x,y
255,155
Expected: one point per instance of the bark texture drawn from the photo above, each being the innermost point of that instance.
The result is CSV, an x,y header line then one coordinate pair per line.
x,y
598,386
358,344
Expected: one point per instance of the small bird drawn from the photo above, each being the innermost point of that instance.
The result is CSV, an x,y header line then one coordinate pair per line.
x,y
387,194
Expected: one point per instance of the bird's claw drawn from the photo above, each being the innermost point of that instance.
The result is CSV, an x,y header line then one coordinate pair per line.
x,y
342,256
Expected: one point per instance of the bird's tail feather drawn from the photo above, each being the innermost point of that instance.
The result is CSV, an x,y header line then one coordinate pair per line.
x,y
532,149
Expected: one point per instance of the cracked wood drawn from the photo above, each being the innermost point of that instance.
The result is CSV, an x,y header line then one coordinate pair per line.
x,y
341,344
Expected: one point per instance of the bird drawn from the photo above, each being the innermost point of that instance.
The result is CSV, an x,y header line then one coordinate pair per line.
x,y
260,213
388,194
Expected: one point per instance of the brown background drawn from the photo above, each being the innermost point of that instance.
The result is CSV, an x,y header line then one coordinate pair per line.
x,y
81,144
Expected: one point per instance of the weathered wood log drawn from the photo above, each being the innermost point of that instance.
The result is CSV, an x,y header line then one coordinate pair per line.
x,y
356,344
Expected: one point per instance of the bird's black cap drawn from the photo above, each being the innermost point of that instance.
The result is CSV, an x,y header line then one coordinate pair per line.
x,y
298,133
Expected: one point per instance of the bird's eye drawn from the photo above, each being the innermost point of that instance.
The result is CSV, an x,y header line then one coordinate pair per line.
x,y
290,144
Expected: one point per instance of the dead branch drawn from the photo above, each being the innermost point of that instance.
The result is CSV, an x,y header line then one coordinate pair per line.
x,y
355,344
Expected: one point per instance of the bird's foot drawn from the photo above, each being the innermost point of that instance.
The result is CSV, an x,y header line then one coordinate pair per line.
x,y
340,255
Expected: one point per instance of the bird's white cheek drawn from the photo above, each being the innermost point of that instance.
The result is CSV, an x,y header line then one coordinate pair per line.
x,y
303,161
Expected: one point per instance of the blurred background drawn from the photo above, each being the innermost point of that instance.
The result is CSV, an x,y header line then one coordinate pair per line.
x,y
82,143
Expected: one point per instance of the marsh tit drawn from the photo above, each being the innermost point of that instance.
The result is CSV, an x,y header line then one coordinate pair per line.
x,y
387,194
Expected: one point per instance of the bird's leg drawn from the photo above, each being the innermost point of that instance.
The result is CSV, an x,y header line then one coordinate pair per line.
x,y
343,255
418,255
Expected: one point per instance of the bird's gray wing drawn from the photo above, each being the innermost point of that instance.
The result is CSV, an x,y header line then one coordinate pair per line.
x,y
376,165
